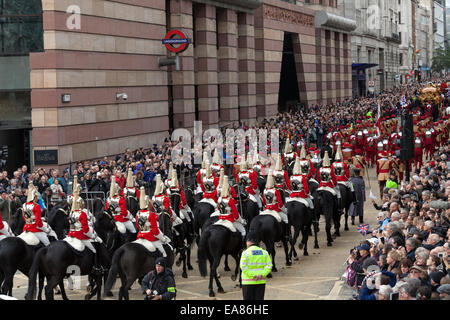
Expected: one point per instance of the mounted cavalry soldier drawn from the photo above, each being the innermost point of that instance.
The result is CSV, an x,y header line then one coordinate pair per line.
x,y
250,166
81,229
202,173
216,164
342,173
185,212
229,216
272,199
32,217
209,186
300,190
247,179
328,180
289,156
130,190
231,190
307,168
116,205
161,202
149,234
281,177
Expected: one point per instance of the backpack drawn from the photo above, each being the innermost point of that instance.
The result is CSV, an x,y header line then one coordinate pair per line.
x,y
350,276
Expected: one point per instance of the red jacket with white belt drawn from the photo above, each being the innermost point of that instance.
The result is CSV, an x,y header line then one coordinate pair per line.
x,y
34,227
122,217
80,235
234,212
154,231
276,206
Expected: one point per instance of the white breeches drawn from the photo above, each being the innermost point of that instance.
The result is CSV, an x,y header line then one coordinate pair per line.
x,y
184,213
240,227
89,245
338,192
283,215
42,236
123,226
6,231
159,245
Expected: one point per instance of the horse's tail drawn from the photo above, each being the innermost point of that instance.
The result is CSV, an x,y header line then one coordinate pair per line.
x,y
202,252
113,270
32,275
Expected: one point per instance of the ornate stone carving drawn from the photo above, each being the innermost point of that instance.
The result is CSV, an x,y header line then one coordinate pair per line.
x,y
284,15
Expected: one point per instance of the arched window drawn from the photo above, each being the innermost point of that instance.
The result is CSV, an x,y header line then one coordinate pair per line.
x,y
21,29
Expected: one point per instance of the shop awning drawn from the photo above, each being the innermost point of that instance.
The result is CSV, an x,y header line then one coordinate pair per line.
x,y
363,65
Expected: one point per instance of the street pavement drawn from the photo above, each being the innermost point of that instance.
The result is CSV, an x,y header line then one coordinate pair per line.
x,y
314,277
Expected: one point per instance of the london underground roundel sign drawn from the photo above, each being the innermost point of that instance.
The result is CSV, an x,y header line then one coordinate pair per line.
x,y
176,41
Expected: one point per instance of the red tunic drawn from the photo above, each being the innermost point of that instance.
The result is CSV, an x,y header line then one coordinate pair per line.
x,y
287,182
276,206
34,227
211,195
154,231
166,203
1,222
346,174
303,193
330,184
234,212
122,217
251,189
80,235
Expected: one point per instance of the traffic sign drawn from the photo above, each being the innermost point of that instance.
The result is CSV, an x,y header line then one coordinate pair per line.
x,y
176,41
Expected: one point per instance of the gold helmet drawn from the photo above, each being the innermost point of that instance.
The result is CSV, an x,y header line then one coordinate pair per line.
x,y
76,202
225,187
130,180
32,193
243,165
279,164
270,181
303,152
216,158
297,168
174,181
287,146
158,184
113,190
222,173
326,160
338,156
143,199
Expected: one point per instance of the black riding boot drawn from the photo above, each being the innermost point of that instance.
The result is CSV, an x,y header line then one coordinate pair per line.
x,y
339,205
97,267
353,221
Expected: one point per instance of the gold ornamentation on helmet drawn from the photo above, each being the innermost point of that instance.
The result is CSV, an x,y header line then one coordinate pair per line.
x,y
326,160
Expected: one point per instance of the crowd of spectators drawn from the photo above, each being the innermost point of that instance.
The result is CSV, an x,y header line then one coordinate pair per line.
x,y
407,255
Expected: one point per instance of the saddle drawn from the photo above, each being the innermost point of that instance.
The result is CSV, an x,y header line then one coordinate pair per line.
x,y
298,199
215,213
209,201
146,244
331,190
29,238
272,213
227,224
77,246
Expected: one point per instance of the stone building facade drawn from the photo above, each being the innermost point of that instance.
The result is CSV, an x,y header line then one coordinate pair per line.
x,y
229,73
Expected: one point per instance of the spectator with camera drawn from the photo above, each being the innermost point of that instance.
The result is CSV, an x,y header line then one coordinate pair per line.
x,y
159,284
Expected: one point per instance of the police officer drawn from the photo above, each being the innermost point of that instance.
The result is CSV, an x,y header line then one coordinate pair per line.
x,y
159,284
255,265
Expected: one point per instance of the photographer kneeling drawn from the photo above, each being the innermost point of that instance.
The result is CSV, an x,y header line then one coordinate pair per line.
x,y
159,284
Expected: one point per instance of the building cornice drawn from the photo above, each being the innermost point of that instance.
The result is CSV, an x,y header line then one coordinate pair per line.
x,y
238,5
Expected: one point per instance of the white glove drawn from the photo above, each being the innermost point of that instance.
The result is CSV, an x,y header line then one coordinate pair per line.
x,y
166,239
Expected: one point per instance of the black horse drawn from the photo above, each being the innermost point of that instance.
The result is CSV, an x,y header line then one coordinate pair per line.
x,y
327,205
58,219
15,254
202,212
182,240
57,260
346,201
132,261
269,231
216,241
132,204
301,218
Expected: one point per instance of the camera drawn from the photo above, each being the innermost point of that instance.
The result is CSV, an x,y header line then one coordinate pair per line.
x,y
441,255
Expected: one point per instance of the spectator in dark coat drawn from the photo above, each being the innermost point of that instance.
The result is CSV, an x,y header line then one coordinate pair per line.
x,y
360,193
159,284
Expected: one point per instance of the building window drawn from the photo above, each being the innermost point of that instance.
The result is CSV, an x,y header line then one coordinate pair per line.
x,y
21,29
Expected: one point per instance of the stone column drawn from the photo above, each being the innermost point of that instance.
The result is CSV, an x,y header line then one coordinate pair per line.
x,y
228,65
206,64
183,80
247,76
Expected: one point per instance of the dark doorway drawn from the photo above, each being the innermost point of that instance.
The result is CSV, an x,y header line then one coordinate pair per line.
x,y
14,149
288,94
